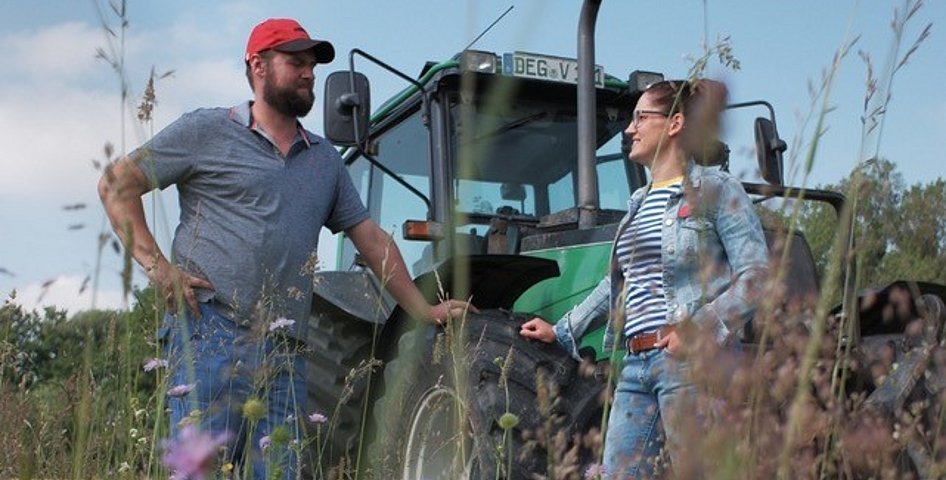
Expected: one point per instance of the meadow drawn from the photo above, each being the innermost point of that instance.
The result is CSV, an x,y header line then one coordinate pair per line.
x,y
86,395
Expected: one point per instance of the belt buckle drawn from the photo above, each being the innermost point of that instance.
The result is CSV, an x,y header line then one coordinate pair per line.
x,y
657,335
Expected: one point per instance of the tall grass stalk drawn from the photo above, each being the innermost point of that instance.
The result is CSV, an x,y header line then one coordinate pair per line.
x,y
876,102
83,418
829,285
388,272
844,242
508,420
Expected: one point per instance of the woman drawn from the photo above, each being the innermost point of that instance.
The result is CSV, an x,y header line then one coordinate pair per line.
x,y
689,250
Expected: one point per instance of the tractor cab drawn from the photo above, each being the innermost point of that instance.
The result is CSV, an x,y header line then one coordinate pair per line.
x,y
480,154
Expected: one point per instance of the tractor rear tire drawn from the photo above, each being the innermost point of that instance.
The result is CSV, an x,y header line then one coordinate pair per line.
x,y
337,369
447,391
918,380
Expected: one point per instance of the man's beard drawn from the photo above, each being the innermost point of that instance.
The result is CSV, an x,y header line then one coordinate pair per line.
x,y
288,101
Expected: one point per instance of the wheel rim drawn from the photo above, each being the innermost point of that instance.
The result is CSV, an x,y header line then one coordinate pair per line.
x,y
436,448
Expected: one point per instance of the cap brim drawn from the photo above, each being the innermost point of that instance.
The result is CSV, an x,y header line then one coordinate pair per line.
x,y
323,50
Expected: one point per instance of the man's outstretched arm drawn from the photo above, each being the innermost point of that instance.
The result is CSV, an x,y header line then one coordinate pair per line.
x,y
384,258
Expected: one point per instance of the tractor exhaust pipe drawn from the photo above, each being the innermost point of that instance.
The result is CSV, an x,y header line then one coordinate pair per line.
x,y
587,175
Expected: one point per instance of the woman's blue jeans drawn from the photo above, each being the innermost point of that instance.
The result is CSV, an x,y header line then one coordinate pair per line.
x,y
653,390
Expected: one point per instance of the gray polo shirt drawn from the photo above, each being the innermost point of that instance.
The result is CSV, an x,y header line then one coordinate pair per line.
x,y
250,218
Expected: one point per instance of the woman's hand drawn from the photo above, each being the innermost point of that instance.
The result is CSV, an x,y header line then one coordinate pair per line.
x,y
671,342
538,329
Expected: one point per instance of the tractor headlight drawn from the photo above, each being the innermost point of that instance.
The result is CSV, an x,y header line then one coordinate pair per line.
x,y
479,61
639,80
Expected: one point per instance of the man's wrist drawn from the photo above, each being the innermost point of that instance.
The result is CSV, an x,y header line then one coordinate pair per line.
x,y
153,264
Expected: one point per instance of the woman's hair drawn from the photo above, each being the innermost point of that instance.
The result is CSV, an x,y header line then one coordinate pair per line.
x,y
700,102
672,95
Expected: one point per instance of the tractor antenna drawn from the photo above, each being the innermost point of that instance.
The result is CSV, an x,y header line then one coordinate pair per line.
x,y
489,27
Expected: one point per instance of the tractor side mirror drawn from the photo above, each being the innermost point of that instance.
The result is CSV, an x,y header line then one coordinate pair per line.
x,y
769,148
347,107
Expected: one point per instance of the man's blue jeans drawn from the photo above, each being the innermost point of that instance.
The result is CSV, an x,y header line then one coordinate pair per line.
x,y
229,364
653,389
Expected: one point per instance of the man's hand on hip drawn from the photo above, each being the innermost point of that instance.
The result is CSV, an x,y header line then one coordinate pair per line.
x,y
174,284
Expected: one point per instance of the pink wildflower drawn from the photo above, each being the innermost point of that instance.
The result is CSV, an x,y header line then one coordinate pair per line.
x,y
155,363
191,455
317,417
180,390
281,322
265,442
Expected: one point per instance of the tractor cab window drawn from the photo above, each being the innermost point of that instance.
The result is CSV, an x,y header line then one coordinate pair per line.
x,y
402,149
617,176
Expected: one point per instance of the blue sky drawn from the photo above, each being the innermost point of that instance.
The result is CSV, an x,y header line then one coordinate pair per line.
x,y
59,105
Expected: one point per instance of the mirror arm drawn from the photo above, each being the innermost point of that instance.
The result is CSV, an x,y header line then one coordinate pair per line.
x,y
367,56
397,178
351,100
778,144
754,103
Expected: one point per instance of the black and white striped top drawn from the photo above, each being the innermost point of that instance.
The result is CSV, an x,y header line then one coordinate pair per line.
x,y
639,255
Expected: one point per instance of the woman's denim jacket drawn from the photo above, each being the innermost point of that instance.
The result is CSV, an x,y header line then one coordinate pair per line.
x,y
714,256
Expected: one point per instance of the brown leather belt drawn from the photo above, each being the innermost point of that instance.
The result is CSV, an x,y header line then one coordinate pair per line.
x,y
647,341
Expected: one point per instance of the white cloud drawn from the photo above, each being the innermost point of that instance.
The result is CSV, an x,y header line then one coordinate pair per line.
x,y
59,51
64,292
50,138
206,83
60,106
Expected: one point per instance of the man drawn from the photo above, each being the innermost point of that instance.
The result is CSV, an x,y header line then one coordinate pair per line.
x,y
255,189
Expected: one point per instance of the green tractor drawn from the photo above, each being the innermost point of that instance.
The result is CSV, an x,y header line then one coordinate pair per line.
x,y
503,179
480,173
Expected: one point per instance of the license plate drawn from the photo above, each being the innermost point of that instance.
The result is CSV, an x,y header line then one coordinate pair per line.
x,y
546,67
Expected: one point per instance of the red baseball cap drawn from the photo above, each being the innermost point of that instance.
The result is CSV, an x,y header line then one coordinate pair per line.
x,y
286,35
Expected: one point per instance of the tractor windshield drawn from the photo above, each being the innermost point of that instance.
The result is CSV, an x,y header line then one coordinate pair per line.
x,y
520,157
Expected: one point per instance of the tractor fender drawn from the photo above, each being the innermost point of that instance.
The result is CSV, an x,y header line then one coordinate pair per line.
x,y
355,293
886,309
495,281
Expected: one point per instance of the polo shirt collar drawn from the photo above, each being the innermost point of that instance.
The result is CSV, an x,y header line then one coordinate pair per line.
x,y
242,115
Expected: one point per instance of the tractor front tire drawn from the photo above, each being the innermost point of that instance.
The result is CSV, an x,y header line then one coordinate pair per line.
x,y
475,400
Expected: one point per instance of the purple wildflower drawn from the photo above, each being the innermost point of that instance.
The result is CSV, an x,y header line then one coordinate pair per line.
x,y
316,417
180,390
155,363
595,471
264,442
192,453
281,322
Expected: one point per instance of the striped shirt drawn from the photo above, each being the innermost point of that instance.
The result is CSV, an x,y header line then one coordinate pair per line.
x,y
639,255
